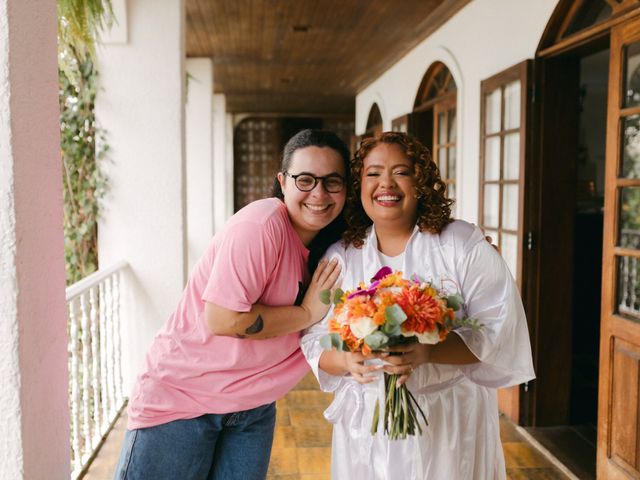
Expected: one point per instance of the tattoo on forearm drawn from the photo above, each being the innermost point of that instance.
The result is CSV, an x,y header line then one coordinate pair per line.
x,y
257,326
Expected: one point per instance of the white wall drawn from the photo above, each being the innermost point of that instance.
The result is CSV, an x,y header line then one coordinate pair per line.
x,y
222,162
144,222
199,141
34,430
482,39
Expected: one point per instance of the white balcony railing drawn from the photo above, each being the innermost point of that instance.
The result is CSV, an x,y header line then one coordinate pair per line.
x,y
95,367
629,276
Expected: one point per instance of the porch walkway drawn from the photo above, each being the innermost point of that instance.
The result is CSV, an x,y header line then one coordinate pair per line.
x,y
302,444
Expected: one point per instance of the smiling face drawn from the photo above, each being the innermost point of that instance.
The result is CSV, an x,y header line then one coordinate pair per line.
x,y
311,211
388,188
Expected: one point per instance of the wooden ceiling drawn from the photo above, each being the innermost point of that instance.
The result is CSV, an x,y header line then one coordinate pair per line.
x,y
306,56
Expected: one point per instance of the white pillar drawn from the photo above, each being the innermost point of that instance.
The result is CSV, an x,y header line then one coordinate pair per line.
x,y
229,166
199,140
34,430
141,105
222,165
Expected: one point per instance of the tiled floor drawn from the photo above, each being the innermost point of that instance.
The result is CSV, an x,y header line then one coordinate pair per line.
x,y
302,443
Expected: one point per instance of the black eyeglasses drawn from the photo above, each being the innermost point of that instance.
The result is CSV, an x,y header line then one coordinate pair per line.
x,y
306,182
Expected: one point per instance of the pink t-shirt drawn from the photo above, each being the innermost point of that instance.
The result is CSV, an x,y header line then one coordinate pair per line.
x,y
256,258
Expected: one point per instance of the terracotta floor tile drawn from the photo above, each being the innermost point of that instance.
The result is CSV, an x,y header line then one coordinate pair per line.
x,y
313,434
284,461
306,399
301,417
534,474
284,437
523,455
282,415
309,382
508,432
314,460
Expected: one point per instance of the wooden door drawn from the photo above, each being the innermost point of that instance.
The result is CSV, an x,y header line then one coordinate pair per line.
x,y
619,383
444,142
504,113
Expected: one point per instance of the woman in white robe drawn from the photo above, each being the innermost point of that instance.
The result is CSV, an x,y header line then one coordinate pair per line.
x,y
455,381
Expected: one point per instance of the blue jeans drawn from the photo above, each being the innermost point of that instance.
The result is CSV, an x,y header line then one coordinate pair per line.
x,y
213,446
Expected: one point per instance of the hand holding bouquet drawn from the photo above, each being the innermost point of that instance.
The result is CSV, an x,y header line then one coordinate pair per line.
x,y
392,311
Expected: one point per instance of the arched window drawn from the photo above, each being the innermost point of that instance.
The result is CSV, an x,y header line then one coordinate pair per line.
x,y
573,17
374,121
434,120
374,127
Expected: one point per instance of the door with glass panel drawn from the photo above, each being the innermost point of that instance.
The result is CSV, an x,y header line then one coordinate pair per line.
x,y
502,173
619,384
444,142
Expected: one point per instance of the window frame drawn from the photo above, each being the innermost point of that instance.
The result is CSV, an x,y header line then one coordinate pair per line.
x,y
519,72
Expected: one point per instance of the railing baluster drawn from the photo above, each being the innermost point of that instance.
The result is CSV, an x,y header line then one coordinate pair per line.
x,y
95,366
110,359
84,371
117,338
75,391
104,403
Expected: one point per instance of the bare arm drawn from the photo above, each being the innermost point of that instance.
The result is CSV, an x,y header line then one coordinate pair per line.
x,y
264,321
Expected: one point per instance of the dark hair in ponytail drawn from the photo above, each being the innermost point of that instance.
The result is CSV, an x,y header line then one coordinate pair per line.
x,y
316,138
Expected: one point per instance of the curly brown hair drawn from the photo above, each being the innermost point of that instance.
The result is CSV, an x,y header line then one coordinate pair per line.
x,y
434,208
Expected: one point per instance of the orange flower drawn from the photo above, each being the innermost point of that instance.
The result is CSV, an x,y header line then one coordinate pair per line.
x,y
361,306
423,310
334,326
393,280
349,338
387,299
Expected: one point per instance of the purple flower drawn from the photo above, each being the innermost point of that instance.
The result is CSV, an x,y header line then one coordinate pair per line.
x,y
371,290
383,272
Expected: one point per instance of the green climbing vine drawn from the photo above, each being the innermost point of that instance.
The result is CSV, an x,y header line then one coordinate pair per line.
x,y
83,143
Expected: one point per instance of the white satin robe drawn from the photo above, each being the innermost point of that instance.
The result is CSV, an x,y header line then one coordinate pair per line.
x,y
462,440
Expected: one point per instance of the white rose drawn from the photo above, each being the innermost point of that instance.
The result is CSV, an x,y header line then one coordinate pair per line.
x,y
429,337
343,317
362,327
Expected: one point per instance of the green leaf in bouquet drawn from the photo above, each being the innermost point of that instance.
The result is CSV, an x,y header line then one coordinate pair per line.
x,y
337,296
391,329
331,341
395,314
325,296
376,340
455,302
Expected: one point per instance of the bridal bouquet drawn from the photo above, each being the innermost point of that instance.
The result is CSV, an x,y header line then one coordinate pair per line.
x,y
392,311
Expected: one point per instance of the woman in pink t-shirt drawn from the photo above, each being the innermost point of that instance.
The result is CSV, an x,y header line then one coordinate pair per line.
x,y
204,404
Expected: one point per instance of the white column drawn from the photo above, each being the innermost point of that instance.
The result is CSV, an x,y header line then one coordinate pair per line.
x,y
144,222
222,171
229,166
199,140
34,430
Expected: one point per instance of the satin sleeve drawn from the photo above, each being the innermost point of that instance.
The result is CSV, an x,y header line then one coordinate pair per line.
x,y
310,340
491,296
